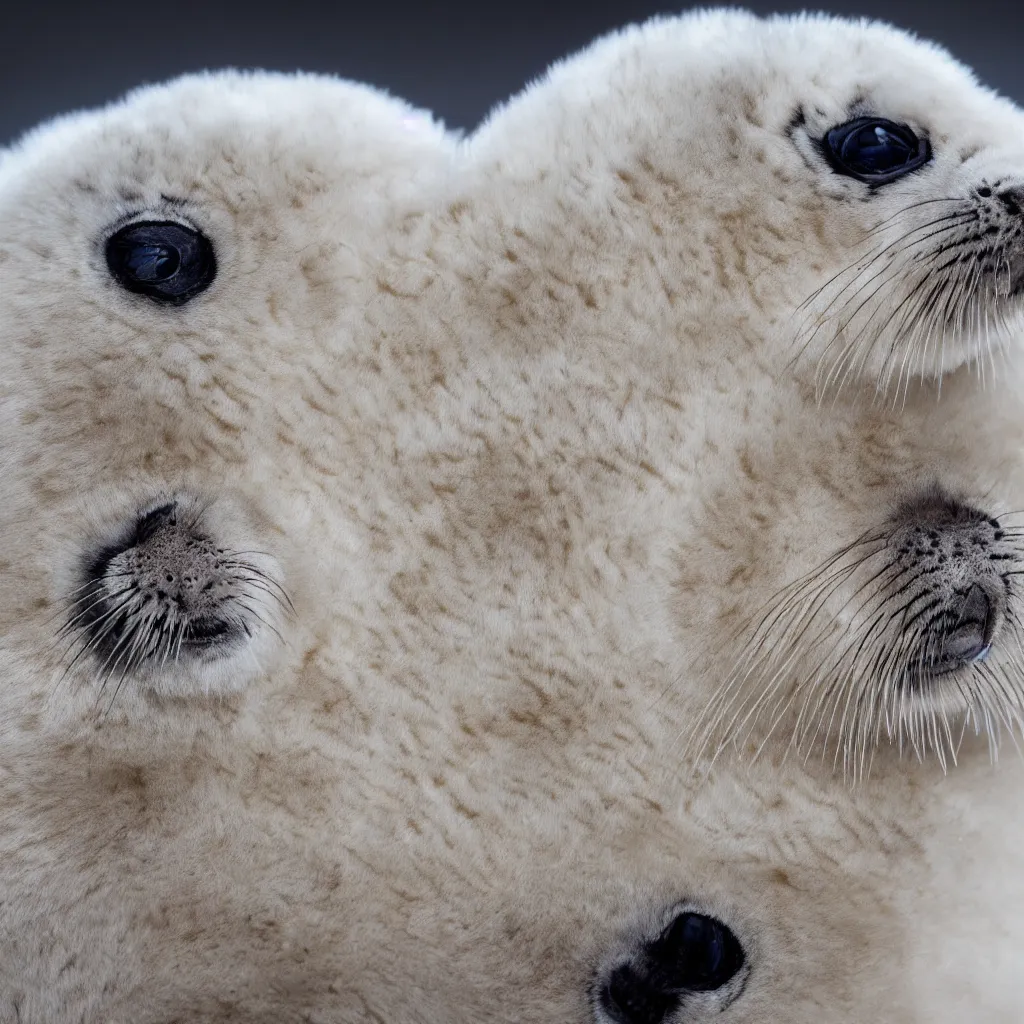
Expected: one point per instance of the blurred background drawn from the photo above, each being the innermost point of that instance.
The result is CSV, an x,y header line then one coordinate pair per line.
x,y
455,57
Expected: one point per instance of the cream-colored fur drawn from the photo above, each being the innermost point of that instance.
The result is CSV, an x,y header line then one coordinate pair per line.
x,y
531,427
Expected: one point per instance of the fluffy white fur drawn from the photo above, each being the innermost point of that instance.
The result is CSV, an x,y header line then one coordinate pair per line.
x,y
531,427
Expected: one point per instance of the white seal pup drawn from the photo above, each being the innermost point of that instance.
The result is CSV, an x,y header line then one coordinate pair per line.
x,y
464,461
798,235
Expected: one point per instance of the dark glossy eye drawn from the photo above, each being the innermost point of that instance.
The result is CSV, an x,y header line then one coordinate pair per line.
x,y
875,150
163,260
695,953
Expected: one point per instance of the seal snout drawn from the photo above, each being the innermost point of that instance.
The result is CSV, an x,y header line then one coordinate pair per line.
x,y
169,562
951,560
165,570
167,592
1005,211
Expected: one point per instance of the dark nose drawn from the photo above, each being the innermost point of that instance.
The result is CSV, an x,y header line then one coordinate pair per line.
x,y
695,953
630,998
968,631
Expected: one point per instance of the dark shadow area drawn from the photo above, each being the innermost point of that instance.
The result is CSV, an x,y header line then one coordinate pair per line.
x,y
456,58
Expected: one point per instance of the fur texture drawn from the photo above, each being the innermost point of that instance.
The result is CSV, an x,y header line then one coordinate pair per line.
x,y
550,473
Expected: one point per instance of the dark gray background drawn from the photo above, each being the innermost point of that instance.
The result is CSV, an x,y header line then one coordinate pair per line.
x,y
456,58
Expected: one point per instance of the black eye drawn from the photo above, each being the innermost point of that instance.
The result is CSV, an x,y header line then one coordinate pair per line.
x,y
874,150
165,261
695,953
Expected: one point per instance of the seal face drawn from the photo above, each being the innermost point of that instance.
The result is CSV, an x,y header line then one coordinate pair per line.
x,y
939,270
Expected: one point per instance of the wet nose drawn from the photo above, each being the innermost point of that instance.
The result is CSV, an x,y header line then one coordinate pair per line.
x,y
969,633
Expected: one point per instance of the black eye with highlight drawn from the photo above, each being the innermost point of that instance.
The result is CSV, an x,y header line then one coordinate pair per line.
x,y
163,260
695,953
874,150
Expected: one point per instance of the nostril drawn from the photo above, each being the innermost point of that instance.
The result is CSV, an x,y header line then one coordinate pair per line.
x,y
964,645
969,637
153,521
1012,199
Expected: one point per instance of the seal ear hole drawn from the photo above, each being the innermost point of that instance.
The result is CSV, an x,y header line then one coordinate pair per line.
x,y
874,150
166,261
694,954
